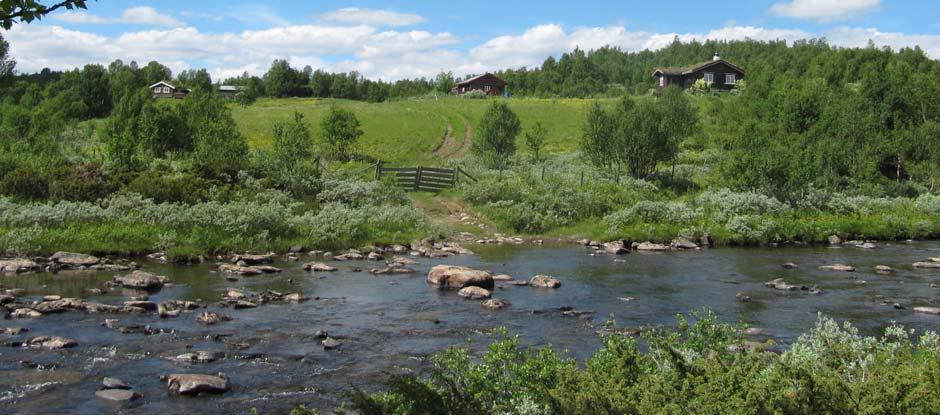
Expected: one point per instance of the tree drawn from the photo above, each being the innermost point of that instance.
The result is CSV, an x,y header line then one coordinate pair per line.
x,y
155,72
340,130
292,142
220,150
535,139
28,10
195,79
95,89
444,82
496,135
679,121
121,131
283,81
7,64
597,137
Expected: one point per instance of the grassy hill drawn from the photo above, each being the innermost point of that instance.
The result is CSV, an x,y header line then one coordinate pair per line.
x,y
413,131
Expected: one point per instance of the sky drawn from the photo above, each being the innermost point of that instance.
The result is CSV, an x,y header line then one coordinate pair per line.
x,y
398,39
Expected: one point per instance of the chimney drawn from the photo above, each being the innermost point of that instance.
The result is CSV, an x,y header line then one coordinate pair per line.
x,y
716,57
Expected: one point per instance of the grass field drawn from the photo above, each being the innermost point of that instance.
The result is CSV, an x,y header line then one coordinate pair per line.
x,y
409,131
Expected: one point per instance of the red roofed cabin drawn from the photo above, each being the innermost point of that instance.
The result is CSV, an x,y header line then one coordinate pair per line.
x,y
487,83
163,89
720,74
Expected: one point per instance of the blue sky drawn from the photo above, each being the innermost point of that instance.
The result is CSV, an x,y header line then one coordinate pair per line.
x,y
396,39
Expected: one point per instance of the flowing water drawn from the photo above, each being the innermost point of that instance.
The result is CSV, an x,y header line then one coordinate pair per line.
x,y
389,324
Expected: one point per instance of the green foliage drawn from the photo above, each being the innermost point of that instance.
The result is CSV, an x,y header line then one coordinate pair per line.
x,y
7,64
535,140
444,82
162,187
292,142
495,140
700,366
83,182
220,150
28,10
340,131
24,183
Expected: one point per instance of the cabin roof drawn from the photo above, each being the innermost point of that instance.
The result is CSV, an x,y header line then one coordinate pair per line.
x,y
231,88
478,77
685,70
164,83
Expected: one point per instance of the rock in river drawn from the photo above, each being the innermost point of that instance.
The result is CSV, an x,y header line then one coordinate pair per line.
x,y
114,383
457,277
141,280
474,293
780,284
883,269
195,384
331,344
496,304
52,342
17,265
210,318
390,270
70,259
253,259
318,267
25,313
839,267
200,356
651,247
117,395
927,264
544,281
928,310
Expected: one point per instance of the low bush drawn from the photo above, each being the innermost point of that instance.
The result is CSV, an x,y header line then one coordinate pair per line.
x,y
700,366
83,182
176,188
24,183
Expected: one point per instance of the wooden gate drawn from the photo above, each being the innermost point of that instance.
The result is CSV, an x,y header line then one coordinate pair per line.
x,y
423,179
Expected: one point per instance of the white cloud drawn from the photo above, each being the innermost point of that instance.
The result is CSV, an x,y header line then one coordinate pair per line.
x,y
824,10
147,16
386,54
372,17
144,15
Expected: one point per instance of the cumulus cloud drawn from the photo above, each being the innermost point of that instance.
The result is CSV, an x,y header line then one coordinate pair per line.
x,y
373,17
142,15
385,54
824,10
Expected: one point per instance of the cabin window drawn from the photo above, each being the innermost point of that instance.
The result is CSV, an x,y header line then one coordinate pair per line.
x,y
486,88
662,81
730,79
709,77
166,90
156,90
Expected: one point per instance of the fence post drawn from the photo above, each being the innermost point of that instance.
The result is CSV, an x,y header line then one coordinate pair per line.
x,y
618,173
582,178
378,170
543,172
417,178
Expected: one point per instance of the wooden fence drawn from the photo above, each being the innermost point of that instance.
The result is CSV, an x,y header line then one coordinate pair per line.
x,y
422,179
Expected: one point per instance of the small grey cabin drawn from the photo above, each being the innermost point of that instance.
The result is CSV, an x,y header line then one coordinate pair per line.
x,y
163,89
488,83
230,91
720,74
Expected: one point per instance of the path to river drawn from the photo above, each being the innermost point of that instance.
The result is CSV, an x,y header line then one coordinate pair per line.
x,y
389,324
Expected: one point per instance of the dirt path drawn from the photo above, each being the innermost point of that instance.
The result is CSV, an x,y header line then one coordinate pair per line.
x,y
452,214
452,146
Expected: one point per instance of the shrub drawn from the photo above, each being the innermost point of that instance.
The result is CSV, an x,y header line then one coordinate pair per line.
x,y
724,203
646,211
183,188
474,94
24,183
929,204
358,193
83,182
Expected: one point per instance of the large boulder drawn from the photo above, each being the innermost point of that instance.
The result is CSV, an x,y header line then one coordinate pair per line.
x,y
927,265
71,259
52,342
544,281
928,310
496,304
474,293
141,280
780,284
239,269
195,384
682,243
457,277
17,265
835,240
616,248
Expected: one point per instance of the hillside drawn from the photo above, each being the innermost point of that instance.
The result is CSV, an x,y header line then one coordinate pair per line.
x,y
416,130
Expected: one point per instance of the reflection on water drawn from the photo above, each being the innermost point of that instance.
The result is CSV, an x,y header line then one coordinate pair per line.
x,y
390,323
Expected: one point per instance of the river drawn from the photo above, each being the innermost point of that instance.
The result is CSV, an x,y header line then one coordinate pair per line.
x,y
389,324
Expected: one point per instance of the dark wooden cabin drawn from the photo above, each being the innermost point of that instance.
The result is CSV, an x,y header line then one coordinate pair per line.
x,y
488,83
719,73
163,89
